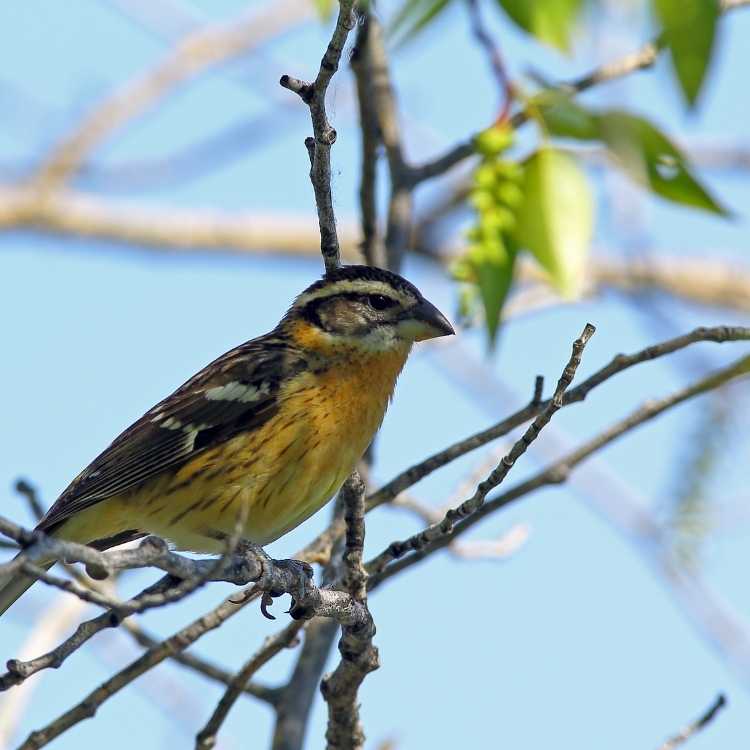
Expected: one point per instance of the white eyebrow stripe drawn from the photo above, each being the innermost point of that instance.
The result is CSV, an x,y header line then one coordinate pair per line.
x,y
358,286
236,391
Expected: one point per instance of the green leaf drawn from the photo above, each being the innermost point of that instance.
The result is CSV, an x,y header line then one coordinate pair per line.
x,y
689,32
492,267
414,16
555,220
550,21
651,159
564,117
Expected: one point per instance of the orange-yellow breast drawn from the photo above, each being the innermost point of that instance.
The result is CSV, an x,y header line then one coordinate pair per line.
x,y
276,475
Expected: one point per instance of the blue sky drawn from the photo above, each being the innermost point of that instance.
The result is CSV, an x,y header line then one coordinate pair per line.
x,y
573,642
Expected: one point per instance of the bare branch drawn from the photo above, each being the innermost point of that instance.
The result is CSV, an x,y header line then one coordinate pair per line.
x,y
324,136
358,655
185,575
698,725
48,628
30,495
201,665
560,470
206,738
370,138
471,506
83,215
88,707
631,63
398,230
494,56
412,475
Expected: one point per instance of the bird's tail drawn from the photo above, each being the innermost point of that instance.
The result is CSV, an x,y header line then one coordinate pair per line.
x,y
14,585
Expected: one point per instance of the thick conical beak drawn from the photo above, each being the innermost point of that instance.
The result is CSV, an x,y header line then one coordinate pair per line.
x,y
425,321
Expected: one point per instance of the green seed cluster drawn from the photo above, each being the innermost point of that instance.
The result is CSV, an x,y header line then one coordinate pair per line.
x,y
495,194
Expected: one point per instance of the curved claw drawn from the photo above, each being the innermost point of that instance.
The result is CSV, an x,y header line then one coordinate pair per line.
x,y
265,601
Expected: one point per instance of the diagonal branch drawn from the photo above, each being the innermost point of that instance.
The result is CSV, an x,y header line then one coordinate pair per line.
x,y
409,477
474,504
639,60
560,470
200,665
696,726
206,738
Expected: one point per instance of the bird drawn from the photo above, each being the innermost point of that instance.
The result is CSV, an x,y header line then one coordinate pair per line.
x,y
267,433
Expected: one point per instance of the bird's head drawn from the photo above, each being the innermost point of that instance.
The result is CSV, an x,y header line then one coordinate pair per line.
x,y
367,308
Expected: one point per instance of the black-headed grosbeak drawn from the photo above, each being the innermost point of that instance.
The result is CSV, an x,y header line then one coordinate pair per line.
x,y
269,431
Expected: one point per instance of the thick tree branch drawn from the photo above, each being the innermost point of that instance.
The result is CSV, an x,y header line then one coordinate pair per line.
x,y
185,575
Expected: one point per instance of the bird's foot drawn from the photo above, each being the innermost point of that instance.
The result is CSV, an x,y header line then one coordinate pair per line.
x,y
303,572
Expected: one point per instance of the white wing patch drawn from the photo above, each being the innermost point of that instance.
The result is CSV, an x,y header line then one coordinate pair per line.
x,y
236,391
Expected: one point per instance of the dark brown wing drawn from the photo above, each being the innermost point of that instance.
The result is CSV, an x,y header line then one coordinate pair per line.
x,y
236,392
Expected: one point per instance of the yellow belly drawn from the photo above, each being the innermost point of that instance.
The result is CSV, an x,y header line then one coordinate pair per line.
x,y
275,476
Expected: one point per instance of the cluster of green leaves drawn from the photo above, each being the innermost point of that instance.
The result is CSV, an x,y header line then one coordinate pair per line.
x,y
686,27
542,205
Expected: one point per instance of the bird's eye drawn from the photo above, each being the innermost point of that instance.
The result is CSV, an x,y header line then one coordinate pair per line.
x,y
380,301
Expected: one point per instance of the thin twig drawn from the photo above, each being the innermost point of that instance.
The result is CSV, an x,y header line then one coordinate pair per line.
x,y
635,61
200,665
88,707
696,726
471,506
497,64
409,477
29,493
206,737
560,470
324,136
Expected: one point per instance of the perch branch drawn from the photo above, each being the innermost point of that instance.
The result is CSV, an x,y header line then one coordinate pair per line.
x,y
359,656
